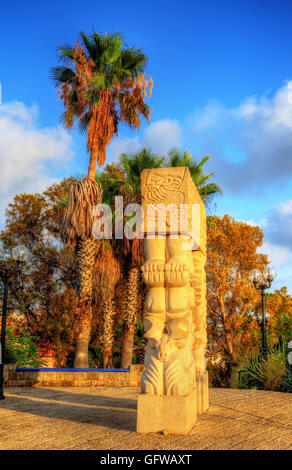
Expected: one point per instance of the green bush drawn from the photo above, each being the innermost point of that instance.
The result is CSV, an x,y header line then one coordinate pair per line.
x,y
94,358
266,374
139,344
22,350
286,385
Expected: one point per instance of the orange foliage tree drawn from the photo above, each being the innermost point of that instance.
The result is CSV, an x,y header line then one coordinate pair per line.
x,y
279,307
45,291
232,253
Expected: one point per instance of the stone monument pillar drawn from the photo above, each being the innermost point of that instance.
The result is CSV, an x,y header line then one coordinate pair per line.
x,y
174,385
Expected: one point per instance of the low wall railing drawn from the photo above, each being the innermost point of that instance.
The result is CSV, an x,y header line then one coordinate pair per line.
x,y
40,377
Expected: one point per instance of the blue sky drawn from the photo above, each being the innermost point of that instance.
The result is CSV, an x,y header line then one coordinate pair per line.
x,y
222,73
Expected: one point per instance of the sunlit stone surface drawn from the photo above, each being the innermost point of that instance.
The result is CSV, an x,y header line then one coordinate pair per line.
x,y
175,319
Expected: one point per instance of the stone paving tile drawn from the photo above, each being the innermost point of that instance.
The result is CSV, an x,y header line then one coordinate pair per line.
x,y
105,418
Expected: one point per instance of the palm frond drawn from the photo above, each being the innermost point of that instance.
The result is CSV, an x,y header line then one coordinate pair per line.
x,y
134,164
107,271
61,74
176,158
90,46
133,61
65,53
78,218
105,85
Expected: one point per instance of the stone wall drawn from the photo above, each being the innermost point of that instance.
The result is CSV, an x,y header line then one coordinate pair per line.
x,y
12,378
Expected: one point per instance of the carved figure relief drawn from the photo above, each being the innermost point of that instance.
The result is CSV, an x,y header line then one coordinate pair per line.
x,y
175,324
162,188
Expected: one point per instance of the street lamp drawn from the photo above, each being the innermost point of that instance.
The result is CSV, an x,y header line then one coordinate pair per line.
x,y
263,282
19,254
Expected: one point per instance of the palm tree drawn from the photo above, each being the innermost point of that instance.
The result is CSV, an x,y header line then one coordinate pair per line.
x,y
206,190
107,273
101,85
133,165
108,268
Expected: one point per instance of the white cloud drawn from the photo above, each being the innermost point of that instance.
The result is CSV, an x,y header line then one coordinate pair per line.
x,y
200,120
123,145
260,223
17,111
277,227
160,136
26,151
278,255
285,208
258,130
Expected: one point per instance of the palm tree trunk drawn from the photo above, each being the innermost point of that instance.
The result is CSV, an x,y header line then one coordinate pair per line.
x,y
86,261
82,342
132,307
128,346
92,166
108,332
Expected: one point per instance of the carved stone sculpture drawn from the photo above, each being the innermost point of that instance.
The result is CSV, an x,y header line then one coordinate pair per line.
x,y
175,309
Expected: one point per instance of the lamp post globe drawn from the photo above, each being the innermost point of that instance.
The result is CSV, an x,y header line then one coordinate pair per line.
x,y
255,276
262,282
269,273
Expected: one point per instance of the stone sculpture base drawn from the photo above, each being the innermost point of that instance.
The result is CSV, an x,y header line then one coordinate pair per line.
x,y
173,414
202,393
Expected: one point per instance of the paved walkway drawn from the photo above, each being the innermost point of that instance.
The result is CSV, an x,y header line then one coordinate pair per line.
x,y
105,418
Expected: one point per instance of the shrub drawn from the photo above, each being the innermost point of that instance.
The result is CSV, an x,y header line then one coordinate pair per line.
x,y
22,350
265,374
94,358
286,385
139,344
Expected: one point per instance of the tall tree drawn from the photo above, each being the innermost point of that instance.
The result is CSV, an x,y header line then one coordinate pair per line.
x,y
133,165
48,278
107,273
102,84
231,254
109,264
279,307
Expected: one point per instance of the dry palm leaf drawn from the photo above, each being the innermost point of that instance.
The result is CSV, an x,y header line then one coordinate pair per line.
x,y
78,218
